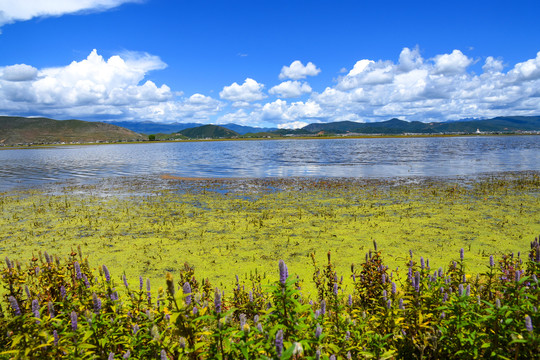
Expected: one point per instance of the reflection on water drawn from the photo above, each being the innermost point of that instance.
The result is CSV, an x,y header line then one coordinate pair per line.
x,y
364,158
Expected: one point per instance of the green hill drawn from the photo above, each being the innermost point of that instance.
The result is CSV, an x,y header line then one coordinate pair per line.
x,y
209,132
20,130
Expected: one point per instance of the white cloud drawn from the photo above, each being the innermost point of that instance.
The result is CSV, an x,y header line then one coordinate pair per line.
x,y
19,72
453,63
21,10
99,88
492,65
297,71
290,89
249,91
293,125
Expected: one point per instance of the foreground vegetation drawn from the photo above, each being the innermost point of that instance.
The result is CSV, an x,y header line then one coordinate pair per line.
x,y
61,308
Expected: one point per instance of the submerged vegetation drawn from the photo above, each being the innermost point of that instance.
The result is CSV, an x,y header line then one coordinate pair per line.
x,y
61,308
224,228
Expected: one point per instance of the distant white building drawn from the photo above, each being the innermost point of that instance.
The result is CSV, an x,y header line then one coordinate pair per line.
x,y
478,131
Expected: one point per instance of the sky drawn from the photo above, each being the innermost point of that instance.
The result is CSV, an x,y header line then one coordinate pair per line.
x,y
265,63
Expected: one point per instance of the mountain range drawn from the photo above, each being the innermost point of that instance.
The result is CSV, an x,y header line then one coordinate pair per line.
x,y
20,130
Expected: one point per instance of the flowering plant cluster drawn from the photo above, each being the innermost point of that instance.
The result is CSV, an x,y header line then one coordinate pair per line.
x,y
62,308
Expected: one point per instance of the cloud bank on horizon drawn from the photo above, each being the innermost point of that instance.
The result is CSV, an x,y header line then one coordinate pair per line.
x,y
413,88
438,87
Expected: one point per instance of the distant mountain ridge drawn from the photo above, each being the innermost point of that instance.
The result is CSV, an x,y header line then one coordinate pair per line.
x,y
21,130
396,126
148,127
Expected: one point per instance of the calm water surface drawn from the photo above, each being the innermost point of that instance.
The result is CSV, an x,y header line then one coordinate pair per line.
x,y
357,158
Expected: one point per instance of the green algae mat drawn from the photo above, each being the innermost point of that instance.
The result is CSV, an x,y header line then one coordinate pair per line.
x,y
237,227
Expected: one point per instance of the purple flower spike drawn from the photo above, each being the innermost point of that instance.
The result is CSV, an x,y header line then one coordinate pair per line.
x,y
63,291
56,338
318,332
78,273
74,321
335,289
97,303
491,261
111,356
401,306
460,290
217,301
350,300
14,305
279,343
468,290
394,288
422,263
163,355
389,304
187,290
283,272
35,308
323,307
461,254
528,323
106,273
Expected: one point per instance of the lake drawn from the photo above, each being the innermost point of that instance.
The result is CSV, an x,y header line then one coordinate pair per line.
x,y
352,158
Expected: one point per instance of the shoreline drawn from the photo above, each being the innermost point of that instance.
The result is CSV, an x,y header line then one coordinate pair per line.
x,y
314,137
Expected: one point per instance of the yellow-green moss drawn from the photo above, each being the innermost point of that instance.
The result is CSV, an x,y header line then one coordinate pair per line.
x,y
228,233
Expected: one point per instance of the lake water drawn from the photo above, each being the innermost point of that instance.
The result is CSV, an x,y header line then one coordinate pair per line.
x,y
354,158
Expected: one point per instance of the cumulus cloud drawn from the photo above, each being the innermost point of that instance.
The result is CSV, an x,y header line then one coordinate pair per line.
x,y
454,63
13,10
297,71
98,87
19,72
243,94
290,89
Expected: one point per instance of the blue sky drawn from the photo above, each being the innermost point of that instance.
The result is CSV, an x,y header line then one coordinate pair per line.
x,y
269,63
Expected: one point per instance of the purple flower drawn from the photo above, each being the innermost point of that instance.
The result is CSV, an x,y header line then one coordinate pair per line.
x,y
56,337
163,355
279,343
111,356
417,281
517,276
14,305
141,282
491,261
63,291
135,329
468,290
9,263
350,300
422,263
394,288
332,357
187,291
401,306
283,272
78,273
148,293
217,301
460,290
383,278
461,254
323,307
35,308
318,332
27,291
347,335
127,355
318,354
384,294
389,304
97,303
528,323
259,327
85,279
195,311
106,273
335,289
74,320
445,297
250,296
